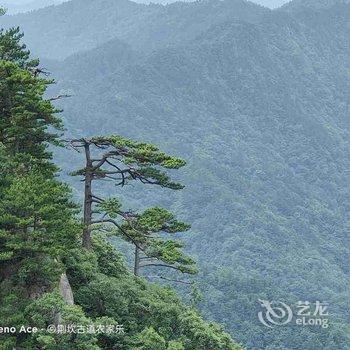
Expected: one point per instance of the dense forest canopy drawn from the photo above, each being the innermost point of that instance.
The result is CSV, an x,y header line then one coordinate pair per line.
x,y
258,102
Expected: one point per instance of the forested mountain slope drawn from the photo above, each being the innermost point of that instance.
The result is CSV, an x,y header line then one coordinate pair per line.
x,y
261,109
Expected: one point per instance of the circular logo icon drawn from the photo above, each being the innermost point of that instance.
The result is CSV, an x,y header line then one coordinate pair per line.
x,y
276,313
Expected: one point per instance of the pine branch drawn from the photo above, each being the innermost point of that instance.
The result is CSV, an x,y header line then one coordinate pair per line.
x,y
58,97
171,280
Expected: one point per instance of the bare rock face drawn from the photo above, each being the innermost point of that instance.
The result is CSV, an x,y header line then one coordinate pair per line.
x,y
66,290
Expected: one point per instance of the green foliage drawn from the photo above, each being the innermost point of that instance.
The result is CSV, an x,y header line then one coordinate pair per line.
x,y
111,206
40,313
158,177
204,336
147,230
175,345
149,313
149,339
12,50
140,153
36,216
196,295
25,115
27,120
109,260
159,219
127,160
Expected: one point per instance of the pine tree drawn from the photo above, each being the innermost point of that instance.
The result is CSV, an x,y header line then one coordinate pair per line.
x,y
25,116
36,213
12,50
27,119
37,217
152,248
123,160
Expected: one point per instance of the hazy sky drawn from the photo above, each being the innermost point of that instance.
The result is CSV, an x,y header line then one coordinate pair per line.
x,y
271,3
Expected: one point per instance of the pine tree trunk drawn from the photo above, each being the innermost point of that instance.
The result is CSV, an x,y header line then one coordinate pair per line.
x,y
137,261
87,200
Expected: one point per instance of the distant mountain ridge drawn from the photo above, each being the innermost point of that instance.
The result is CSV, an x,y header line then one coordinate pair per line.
x,y
15,7
315,4
144,27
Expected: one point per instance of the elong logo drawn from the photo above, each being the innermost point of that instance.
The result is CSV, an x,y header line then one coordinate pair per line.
x,y
277,313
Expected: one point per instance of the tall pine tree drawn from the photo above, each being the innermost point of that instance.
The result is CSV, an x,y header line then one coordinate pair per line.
x,y
122,161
